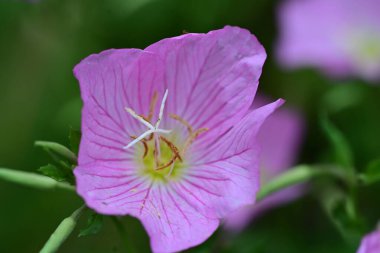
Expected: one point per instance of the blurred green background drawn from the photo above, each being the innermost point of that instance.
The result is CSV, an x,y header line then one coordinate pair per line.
x,y
39,100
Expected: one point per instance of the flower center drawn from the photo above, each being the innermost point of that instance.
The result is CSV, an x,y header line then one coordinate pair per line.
x,y
169,164
160,157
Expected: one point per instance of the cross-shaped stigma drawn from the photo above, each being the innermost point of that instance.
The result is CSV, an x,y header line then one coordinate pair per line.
x,y
151,128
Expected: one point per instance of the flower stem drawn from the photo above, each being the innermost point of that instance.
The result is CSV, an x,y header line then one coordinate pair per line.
x,y
33,180
300,174
62,232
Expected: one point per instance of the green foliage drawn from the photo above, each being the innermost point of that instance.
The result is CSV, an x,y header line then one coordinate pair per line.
x,y
74,138
372,173
57,151
341,149
65,158
340,208
57,173
94,225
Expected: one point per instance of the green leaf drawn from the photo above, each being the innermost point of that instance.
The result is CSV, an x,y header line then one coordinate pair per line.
x,y
74,137
94,224
341,210
341,97
56,173
342,151
372,173
57,149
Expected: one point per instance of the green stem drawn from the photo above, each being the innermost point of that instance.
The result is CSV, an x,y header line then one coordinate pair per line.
x,y
33,180
62,232
125,237
59,149
297,175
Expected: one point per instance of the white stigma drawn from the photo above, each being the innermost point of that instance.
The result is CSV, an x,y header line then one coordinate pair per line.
x,y
152,128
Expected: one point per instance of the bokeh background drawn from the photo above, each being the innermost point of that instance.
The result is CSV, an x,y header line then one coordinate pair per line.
x,y
41,41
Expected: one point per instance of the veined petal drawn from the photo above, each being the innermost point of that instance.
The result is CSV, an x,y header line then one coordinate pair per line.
x,y
112,188
110,82
174,221
280,138
212,78
225,174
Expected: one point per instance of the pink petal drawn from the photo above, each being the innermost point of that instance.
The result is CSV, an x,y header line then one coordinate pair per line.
x,y
111,188
336,43
110,82
280,139
212,77
225,174
370,243
174,221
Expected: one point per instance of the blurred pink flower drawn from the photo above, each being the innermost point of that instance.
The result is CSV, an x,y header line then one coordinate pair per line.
x,y
340,37
370,243
168,136
280,138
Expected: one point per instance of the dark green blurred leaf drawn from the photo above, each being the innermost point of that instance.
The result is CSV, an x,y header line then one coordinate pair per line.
x,y
53,172
343,96
341,210
94,225
74,137
54,148
372,173
342,151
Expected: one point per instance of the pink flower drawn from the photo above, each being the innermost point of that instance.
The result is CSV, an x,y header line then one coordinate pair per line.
x,y
168,136
280,138
340,37
370,243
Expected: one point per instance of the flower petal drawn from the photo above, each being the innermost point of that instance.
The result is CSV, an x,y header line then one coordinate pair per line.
x,y
211,77
110,188
370,243
173,220
280,139
225,175
110,82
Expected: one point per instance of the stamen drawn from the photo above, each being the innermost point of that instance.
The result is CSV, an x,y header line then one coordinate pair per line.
x,y
152,105
156,157
152,129
157,150
191,139
146,148
176,117
167,164
162,108
171,170
173,148
176,155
